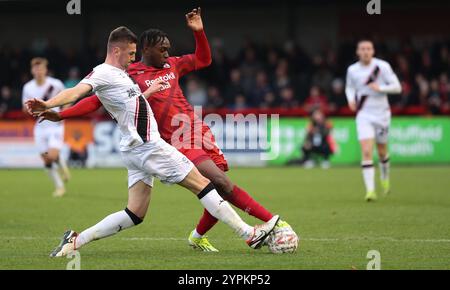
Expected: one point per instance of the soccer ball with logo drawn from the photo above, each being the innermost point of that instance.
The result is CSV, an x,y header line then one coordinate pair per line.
x,y
283,240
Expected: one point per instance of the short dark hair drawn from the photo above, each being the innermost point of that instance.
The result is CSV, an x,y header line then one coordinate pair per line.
x,y
121,34
151,37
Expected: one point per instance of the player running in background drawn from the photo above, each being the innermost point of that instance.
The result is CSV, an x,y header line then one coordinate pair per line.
x,y
169,105
368,82
49,137
143,151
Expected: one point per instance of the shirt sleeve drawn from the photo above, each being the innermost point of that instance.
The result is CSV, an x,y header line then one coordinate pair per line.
x,y
350,89
25,95
198,60
391,83
96,79
82,108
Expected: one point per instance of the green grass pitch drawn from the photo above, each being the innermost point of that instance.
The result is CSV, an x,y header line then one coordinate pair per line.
x,y
410,228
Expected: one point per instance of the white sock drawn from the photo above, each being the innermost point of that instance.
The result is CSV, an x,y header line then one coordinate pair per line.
x,y
384,168
221,209
62,163
196,235
109,226
54,176
368,174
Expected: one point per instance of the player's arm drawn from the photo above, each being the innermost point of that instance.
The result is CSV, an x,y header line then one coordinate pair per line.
x,y
202,50
66,96
82,108
350,92
391,83
202,56
25,98
156,86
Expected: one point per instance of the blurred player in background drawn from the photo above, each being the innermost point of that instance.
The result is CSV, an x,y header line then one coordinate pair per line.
x,y
48,136
168,105
368,82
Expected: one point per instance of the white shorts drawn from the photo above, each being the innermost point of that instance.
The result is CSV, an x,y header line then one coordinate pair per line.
x,y
373,127
49,137
156,159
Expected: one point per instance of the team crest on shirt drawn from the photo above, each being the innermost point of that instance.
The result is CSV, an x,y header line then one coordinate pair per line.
x,y
132,93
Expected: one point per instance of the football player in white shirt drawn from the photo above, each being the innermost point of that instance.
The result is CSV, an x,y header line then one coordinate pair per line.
x,y
48,136
143,151
368,82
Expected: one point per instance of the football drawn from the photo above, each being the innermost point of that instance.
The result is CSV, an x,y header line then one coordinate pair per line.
x,y
283,240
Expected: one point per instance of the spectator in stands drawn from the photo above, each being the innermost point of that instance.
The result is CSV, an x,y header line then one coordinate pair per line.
x,y
322,76
434,100
444,91
316,101
249,67
215,99
74,77
196,93
235,86
240,102
337,96
287,98
282,77
8,101
262,87
269,101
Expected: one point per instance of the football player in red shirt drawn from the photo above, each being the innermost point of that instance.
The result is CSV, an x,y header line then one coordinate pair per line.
x,y
176,118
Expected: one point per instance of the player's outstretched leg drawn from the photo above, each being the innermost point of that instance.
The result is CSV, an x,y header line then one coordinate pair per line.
x,y
134,213
220,209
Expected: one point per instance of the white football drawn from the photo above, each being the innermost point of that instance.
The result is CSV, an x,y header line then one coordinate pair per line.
x,y
283,240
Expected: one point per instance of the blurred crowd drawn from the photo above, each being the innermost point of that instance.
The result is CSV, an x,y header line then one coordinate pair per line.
x,y
263,75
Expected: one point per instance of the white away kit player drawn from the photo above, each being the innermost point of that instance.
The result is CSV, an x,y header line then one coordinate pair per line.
x,y
368,82
144,153
48,136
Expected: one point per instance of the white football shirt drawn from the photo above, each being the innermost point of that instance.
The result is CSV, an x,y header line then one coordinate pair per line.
x,y
50,88
367,100
123,100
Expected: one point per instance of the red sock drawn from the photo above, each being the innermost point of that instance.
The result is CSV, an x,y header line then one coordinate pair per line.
x,y
241,199
207,221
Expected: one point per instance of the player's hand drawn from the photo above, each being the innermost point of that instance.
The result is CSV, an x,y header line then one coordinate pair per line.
x,y
194,19
352,106
35,106
157,86
49,115
374,86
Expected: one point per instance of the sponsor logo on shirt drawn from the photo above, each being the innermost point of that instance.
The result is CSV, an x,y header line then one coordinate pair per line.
x,y
166,78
